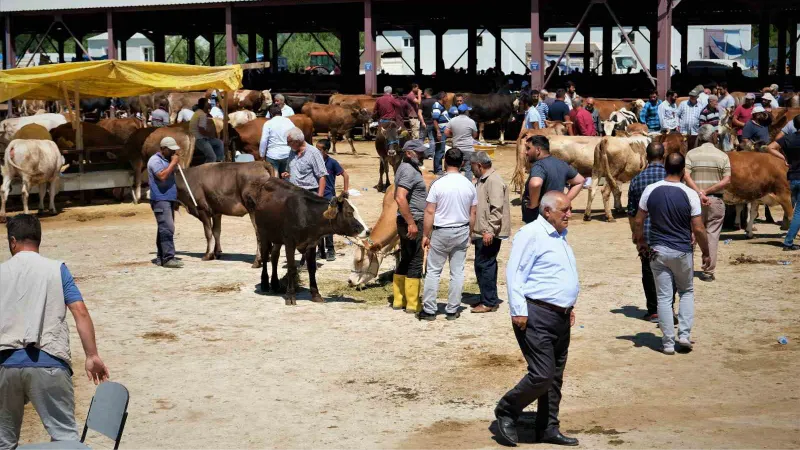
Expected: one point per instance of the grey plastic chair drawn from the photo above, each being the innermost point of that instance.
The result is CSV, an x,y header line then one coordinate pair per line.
x,y
107,415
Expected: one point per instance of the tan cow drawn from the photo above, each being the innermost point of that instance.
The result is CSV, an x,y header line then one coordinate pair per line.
x,y
9,127
145,143
618,160
361,101
180,100
37,162
122,128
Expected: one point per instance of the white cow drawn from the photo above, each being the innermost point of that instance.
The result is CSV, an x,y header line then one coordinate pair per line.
x,y
237,118
9,127
37,162
267,100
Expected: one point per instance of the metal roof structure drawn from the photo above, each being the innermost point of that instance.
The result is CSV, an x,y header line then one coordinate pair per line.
x,y
55,5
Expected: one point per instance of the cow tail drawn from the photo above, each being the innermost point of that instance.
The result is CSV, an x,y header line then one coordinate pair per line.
x,y
602,157
10,160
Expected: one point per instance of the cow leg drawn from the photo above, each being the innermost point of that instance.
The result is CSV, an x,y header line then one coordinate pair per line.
x,y
587,214
5,189
42,192
751,217
607,202
136,189
349,136
503,135
265,286
311,265
208,226
274,257
618,199
784,198
291,275
53,190
332,138
257,262
480,131
217,230
381,167
25,195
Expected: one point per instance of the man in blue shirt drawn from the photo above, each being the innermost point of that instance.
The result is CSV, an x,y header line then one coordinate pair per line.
x,y
542,281
649,114
559,110
163,194
676,221
653,173
334,170
35,357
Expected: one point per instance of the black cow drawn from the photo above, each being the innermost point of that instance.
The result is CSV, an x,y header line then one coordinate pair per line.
x,y
286,215
96,107
490,108
296,102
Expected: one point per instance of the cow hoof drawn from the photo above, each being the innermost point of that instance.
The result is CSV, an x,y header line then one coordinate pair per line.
x,y
276,287
750,236
256,265
208,257
291,301
218,255
611,219
587,218
316,298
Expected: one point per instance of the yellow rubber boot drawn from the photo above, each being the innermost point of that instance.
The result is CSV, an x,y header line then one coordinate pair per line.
x,y
399,288
412,295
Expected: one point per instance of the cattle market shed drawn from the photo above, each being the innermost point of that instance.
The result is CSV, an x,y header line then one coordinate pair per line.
x,y
109,78
221,21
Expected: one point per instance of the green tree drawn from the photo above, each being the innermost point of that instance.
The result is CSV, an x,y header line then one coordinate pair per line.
x,y
773,36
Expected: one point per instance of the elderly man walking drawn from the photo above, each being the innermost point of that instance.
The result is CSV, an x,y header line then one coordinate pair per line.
x,y
653,173
542,281
449,216
675,215
35,359
708,172
492,226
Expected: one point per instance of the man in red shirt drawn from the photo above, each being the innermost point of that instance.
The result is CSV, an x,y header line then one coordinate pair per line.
x,y
389,108
582,119
414,99
743,113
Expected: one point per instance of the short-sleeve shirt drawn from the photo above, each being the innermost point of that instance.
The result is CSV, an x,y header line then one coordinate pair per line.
x,y
32,356
273,137
708,165
789,128
454,196
410,178
185,115
463,129
334,170
199,122
726,102
161,190
756,133
554,174
411,98
533,117
306,170
743,115
427,109
559,111
159,118
791,148
671,206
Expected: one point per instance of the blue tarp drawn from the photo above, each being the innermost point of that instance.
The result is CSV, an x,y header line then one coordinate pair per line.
x,y
728,48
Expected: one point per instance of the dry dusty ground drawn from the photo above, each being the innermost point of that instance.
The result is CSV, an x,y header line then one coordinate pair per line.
x,y
211,363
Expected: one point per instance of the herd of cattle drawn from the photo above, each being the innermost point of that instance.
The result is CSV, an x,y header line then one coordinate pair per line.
x,y
39,145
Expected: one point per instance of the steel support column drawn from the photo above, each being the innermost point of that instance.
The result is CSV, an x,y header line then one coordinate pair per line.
x,y
587,48
60,43
683,29
472,51
661,36
370,73
10,60
158,39
792,47
273,51
252,49
191,50
439,51
537,62
415,34
498,48
112,43
212,55
763,46
608,60
231,55
780,64
654,33
78,50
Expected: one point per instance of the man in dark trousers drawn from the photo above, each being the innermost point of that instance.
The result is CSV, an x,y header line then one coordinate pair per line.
x,y
163,194
547,174
542,281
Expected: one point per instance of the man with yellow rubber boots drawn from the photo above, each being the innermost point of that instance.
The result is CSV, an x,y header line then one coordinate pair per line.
x,y
410,193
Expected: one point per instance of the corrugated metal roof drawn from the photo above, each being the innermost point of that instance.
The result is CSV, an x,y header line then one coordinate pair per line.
x,y
50,5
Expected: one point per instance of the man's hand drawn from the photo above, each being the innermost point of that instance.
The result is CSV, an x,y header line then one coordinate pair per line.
x,y
426,243
633,237
704,200
487,238
572,318
96,370
520,322
412,230
285,175
175,158
706,262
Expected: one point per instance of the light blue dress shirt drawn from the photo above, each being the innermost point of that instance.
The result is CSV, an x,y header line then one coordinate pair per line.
x,y
533,116
541,267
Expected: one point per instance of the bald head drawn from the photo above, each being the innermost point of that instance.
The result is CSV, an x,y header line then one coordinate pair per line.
x,y
556,208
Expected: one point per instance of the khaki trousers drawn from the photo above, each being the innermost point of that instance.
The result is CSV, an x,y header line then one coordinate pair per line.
x,y
713,216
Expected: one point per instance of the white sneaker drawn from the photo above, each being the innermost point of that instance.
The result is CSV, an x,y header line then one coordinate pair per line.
x,y
685,343
669,350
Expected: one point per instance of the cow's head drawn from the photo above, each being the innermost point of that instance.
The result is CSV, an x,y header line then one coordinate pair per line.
x,y
344,218
367,259
267,100
637,105
608,127
362,115
389,134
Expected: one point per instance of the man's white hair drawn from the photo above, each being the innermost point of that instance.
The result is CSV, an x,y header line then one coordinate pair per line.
x,y
550,201
705,133
387,90
279,97
295,135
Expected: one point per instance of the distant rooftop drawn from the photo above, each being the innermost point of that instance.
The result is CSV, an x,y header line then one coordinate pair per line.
x,y
49,5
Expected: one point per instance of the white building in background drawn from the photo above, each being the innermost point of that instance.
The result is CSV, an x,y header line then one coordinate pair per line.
x,y
139,48
705,42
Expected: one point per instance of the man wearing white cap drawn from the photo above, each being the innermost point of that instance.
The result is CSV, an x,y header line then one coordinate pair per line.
x,y
767,97
163,194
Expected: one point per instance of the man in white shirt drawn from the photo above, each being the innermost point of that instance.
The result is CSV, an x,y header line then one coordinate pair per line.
x,y
668,112
449,216
216,112
184,115
273,145
542,282
280,101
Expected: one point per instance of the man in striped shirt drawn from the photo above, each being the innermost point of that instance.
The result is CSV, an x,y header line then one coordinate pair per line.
x,y
537,99
710,114
689,117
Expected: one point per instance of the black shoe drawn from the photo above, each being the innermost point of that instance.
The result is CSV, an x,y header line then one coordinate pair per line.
x,y
791,248
331,256
453,316
507,431
706,277
560,439
422,315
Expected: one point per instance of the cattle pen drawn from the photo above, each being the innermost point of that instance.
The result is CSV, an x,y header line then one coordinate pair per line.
x,y
109,78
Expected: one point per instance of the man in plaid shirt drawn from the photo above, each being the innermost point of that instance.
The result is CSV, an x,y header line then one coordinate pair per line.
x,y
653,173
689,116
649,114
541,106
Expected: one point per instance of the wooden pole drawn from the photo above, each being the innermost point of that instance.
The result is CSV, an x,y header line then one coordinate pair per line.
x,y
79,136
228,156
66,104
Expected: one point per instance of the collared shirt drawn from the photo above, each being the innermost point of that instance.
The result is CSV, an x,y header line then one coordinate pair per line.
x,y
707,165
709,116
494,212
533,116
541,267
668,116
159,118
690,117
409,177
286,111
386,108
596,120
584,125
653,173
440,114
273,143
559,111
650,116
306,170
161,190
544,110
185,115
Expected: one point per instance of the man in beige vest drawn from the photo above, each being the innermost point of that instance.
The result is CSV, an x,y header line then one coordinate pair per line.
x,y
35,293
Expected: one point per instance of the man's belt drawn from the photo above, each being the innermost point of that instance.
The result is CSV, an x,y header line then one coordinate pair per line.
x,y
452,226
550,306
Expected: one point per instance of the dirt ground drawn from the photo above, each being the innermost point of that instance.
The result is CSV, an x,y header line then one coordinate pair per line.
x,y
212,363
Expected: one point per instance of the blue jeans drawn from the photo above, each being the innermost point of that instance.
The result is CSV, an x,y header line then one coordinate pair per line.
x,y
794,186
673,268
280,165
438,154
165,245
212,149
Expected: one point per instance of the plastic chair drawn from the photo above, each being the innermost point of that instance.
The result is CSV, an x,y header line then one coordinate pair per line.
x,y
107,415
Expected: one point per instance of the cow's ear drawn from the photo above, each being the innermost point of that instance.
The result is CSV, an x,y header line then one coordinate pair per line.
x,y
331,212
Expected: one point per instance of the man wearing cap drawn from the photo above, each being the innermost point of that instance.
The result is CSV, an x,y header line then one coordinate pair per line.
x,y
767,101
774,94
163,195
492,226
668,112
547,100
708,172
689,117
710,114
410,193
463,131
204,131
743,113
449,216
756,129
526,89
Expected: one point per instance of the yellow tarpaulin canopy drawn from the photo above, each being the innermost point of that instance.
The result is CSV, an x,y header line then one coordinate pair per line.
x,y
113,78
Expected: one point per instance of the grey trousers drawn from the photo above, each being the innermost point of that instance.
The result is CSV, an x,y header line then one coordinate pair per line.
x,y
50,391
165,218
452,244
671,266
212,149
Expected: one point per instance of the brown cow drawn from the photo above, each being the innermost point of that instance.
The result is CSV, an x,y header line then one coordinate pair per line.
x,y
362,101
780,117
246,99
246,138
33,131
121,128
181,100
673,143
388,144
637,129
339,120
606,106
146,142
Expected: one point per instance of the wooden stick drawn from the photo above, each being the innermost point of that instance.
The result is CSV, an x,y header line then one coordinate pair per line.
x,y
228,157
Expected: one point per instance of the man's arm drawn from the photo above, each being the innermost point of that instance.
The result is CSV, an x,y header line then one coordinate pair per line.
x,y
427,224
173,163
638,230
723,183
262,145
448,132
401,197
346,178
736,122
775,149
321,190
534,187
575,186
520,262
473,212
96,370
699,231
